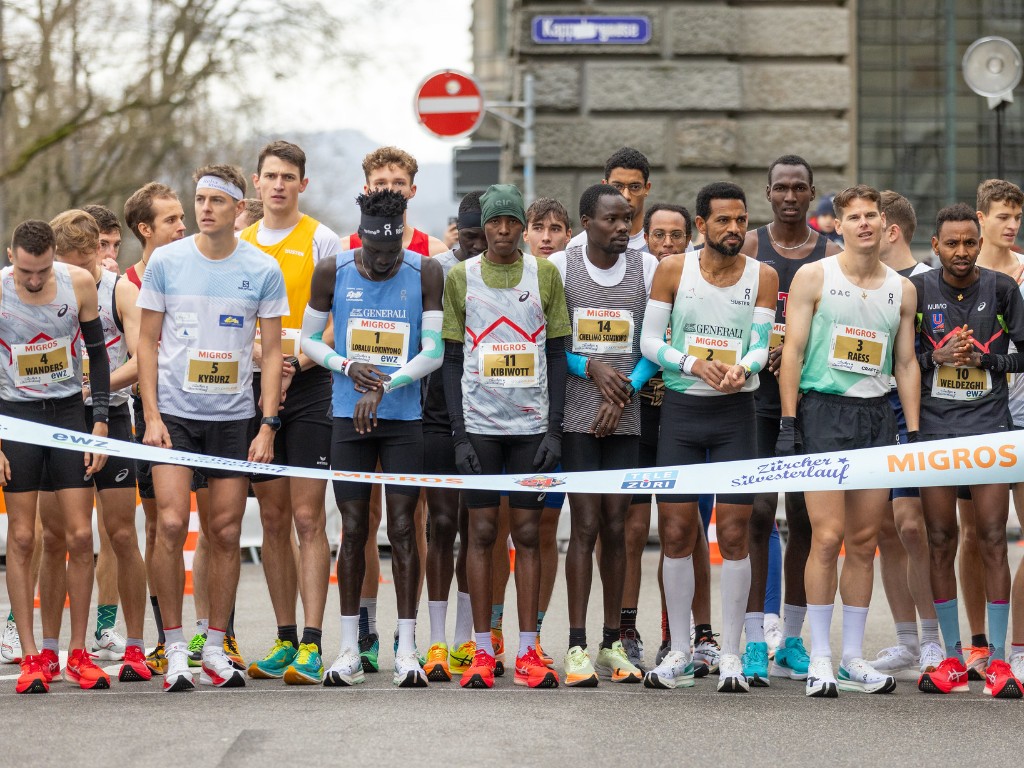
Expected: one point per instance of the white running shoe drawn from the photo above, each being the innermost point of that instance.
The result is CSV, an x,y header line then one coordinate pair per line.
x,y
675,671
730,675
772,632
1017,665
821,682
346,670
178,676
861,677
707,654
217,670
931,656
898,662
408,672
109,645
10,644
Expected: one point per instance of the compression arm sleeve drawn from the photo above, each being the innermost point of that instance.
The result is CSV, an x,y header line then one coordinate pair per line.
x,y
1012,363
642,373
451,373
652,337
554,353
577,364
312,343
760,332
99,369
430,357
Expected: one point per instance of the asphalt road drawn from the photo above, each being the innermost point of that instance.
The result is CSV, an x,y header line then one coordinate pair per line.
x,y
270,724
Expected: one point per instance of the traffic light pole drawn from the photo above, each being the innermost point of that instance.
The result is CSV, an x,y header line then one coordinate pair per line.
x,y
527,149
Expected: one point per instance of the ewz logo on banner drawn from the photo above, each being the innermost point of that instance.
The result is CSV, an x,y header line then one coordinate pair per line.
x,y
650,481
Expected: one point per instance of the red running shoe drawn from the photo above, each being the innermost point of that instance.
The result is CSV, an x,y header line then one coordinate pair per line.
x,y
50,664
32,678
1000,682
80,669
949,677
533,672
134,668
481,672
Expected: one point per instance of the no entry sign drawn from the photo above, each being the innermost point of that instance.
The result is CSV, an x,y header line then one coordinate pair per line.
x,y
449,104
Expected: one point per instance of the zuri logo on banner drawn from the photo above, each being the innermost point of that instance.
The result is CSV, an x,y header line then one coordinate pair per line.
x,y
650,481
982,457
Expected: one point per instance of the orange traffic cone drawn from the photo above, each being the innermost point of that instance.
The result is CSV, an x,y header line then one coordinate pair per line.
x,y
713,548
191,541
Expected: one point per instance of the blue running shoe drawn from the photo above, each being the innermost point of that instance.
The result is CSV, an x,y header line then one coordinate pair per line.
x,y
791,660
755,664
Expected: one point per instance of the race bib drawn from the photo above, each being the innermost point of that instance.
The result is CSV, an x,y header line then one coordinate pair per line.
x,y
951,383
289,343
509,365
705,347
858,350
378,342
602,330
778,335
43,362
213,372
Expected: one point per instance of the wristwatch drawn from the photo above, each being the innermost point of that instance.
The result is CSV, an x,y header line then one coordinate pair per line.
x,y
274,422
293,361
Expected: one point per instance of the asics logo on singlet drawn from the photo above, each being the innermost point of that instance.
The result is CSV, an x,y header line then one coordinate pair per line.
x,y
62,311
120,476
982,305
524,296
354,294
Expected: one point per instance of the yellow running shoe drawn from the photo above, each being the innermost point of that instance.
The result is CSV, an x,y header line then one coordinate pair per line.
x,y
156,660
460,659
231,649
437,664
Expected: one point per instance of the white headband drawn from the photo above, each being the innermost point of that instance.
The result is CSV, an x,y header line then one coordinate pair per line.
x,y
216,182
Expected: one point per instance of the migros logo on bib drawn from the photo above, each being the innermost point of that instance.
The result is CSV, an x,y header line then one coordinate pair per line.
x,y
982,457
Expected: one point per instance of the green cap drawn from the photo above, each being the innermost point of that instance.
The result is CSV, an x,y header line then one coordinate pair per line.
x,y
502,200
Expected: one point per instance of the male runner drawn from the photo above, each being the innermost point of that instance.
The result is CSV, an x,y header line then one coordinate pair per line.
x,y
849,328
717,305
297,242
201,297
386,306
785,244
504,372
252,213
606,289
45,309
629,171
967,317
110,239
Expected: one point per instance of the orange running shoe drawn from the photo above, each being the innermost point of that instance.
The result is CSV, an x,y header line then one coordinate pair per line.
x,y
134,669
436,667
532,672
481,673
80,669
977,661
49,663
32,678
548,661
498,641
1000,682
949,677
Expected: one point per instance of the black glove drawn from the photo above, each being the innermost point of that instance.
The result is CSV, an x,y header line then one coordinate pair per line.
x,y
788,442
549,453
913,437
466,460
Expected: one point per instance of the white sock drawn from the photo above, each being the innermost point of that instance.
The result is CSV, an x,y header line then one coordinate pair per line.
x,y
677,574
770,619
906,635
753,625
406,636
202,626
171,636
438,614
483,641
527,640
793,620
735,583
214,639
463,619
53,644
350,633
820,619
370,604
854,620
929,631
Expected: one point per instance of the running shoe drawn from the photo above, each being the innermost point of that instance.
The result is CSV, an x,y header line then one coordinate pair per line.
x,y
772,633
731,677
579,670
931,657
977,661
219,670
408,672
32,678
898,662
532,672
460,659
108,645
634,648
50,664
10,644
663,649
674,671
369,650
81,670
346,670
233,654
706,655
134,668
821,683
790,660
1000,682
156,659
498,641
274,664
307,667
436,667
860,677
755,665
422,659
195,649
548,661
177,675
613,664
481,673
949,676
1017,665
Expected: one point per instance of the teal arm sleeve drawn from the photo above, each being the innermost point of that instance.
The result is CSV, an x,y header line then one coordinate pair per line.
x,y
760,333
430,357
642,373
311,342
577,364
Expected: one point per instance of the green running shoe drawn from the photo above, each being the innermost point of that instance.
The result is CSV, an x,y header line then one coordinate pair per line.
x,y
275,663
307,667
195,649
369,649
